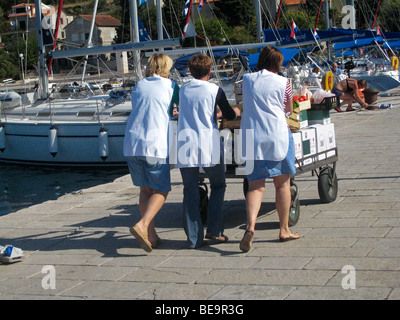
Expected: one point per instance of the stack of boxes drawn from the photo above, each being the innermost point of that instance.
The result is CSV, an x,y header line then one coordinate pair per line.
x,y
313,133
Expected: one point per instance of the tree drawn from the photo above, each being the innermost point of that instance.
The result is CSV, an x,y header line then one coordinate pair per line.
x,y
235,12
8,67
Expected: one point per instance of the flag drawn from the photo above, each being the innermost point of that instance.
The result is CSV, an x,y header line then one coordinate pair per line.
x,y
294,29
189,30
186,12
186,7
141,2
201,4
315,34
378,30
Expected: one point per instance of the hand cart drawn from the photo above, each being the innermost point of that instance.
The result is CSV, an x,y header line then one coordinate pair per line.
x,y
325,170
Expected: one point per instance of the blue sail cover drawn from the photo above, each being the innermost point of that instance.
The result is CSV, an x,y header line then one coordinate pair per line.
x,y
392,44
334,34
356,43
288,55
181,63
283,35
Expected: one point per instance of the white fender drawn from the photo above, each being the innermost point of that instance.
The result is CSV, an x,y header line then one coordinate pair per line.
x,y
10,100
53,145
103,144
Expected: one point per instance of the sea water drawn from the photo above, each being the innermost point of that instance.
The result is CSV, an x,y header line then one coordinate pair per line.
x,y
24,186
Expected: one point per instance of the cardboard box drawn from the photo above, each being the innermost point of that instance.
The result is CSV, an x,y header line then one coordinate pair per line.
x,y
325,136
318,116
298,146
309,144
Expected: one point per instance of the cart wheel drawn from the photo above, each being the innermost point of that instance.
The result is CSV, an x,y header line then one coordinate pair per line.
x,y
203,203
294,212
245,187
327,185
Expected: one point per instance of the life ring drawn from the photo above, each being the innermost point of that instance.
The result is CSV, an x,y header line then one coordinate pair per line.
x,y
327,81
395,63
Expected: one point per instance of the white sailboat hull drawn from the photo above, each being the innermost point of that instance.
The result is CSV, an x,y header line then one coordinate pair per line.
x,y
75,138
77,144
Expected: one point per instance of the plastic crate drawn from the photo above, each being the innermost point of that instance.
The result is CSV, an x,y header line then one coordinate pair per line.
x,y
327,104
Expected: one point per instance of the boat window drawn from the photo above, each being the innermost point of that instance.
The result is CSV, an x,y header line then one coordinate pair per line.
x,y
85,114
43,114
120,114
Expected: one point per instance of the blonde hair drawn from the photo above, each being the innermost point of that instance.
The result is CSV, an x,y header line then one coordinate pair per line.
x,y
159,64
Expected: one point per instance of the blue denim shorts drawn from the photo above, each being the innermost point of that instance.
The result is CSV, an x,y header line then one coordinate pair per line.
x,y
268,169
151,173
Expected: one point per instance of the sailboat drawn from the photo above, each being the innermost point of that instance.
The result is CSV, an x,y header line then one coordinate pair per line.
x,y
74,132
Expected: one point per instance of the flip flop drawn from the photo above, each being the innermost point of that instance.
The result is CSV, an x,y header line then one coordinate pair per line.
x,y
142,238
245,244
292,236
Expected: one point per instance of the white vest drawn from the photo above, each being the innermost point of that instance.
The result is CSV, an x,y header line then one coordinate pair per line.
x,y
263,112
147,127
198,136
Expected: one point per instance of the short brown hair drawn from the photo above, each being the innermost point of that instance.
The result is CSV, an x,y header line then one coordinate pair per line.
x,y
159,64
199,65
271,59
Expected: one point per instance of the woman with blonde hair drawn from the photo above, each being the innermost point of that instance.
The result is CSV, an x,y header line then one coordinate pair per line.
x,y
267,99
146,144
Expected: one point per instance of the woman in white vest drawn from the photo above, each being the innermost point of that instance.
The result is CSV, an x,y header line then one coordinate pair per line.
x,y
267,99
146,144
199,145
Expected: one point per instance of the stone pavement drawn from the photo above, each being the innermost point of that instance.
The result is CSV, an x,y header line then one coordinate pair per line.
x,y
85,236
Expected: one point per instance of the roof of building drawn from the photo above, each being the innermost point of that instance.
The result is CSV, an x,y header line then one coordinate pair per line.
x,y
102,20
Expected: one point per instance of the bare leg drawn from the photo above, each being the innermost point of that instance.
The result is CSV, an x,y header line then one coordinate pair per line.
x,y
253,202
150,202
283,198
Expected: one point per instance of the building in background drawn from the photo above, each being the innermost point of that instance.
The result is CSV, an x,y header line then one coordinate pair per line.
x,y
22,18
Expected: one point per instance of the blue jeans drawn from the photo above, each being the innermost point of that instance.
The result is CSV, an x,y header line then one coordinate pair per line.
x,y
191,213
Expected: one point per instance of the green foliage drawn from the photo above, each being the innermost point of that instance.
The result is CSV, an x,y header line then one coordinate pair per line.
x,y
8,67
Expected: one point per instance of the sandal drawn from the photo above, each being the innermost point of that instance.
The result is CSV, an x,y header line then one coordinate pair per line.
x,y
142,238
338,109
292,236
245,244
350,109
217,238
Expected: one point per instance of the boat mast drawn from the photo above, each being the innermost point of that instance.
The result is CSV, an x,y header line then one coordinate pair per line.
x,y
327,26
159,21
43,89
89,41
135,37
257,5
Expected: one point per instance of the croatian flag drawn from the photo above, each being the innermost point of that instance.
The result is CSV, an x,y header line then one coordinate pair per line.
x,y
186,8
188,23
315,34
294,30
